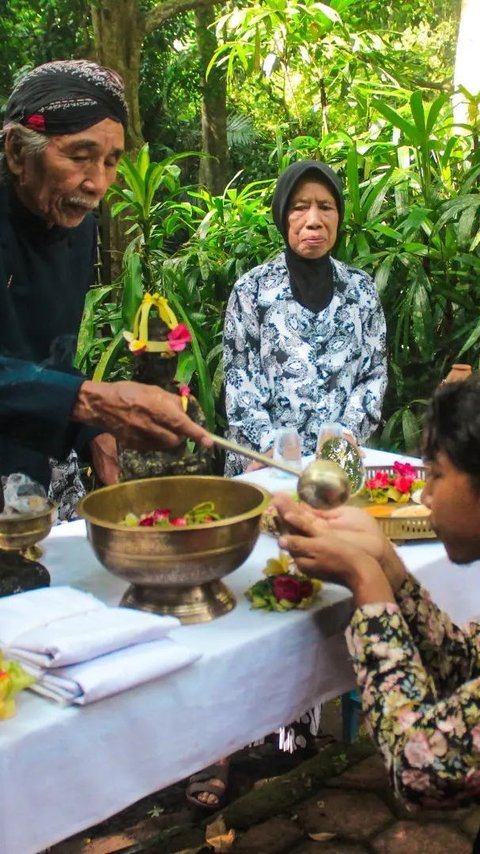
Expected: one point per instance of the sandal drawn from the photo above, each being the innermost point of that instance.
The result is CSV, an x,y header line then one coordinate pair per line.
x,y
201,782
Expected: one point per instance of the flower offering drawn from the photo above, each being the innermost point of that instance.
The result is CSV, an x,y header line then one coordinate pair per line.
x,y
163,517
13,678
397,487
178,335
283,588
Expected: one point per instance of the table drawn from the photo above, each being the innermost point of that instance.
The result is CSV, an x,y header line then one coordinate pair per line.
x,y
65,769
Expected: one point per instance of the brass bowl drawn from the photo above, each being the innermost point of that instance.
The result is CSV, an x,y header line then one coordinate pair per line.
x,y
175,570
23,530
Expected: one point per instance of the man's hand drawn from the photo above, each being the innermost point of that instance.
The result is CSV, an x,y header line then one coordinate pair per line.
x,y
139,416
103,449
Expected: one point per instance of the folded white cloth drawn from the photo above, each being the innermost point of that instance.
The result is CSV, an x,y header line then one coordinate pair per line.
x,y
80,650
34,608
109,674
65,626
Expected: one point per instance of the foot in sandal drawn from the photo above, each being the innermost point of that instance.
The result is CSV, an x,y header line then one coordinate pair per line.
x,y
207,789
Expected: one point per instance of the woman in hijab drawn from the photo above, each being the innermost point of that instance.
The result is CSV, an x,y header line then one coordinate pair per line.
x,y
304,335
304,346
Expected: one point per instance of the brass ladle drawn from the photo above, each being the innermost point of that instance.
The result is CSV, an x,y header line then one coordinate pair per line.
x,y
322,484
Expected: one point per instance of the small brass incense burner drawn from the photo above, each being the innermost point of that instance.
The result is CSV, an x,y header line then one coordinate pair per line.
x,y
19,535
20,532
175,570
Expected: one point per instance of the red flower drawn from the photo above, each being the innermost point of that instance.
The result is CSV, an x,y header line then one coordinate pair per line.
x,y
178,338
403,484
161,514
290,588
380,481
146,523
179,521
404,470
36,122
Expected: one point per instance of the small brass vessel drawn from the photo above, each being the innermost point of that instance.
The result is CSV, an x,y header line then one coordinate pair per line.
x,y
20,532
175,570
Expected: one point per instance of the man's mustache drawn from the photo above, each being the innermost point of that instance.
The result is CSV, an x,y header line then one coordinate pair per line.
x,y
83,203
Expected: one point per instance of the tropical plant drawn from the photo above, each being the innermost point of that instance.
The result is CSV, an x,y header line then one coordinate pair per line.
x,y
412,219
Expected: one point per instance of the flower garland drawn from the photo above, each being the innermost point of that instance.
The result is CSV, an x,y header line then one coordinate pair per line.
x,y
284,588
177,339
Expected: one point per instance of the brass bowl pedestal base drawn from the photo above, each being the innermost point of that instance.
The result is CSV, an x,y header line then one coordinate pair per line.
x,y
197,604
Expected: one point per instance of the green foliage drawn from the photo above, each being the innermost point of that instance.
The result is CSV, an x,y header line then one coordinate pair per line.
x,y
412,220
216,239
365,86
36,31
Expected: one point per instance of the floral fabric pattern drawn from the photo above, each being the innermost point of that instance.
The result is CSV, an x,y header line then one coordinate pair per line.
x,y
419,676
286,366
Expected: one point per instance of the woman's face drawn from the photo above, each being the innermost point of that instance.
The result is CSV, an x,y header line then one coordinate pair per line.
x,y
312,219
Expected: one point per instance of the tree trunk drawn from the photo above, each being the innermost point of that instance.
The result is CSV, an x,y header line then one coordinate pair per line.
x,y
214,169
119,30
467,65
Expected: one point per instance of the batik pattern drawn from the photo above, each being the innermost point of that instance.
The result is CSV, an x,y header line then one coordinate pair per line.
x,y
288,366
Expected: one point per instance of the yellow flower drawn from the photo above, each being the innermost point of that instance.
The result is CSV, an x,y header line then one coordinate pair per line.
x,y
316,584
278,565
134,344
13,679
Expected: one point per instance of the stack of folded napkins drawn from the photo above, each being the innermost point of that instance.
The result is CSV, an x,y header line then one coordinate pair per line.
x,y
81,650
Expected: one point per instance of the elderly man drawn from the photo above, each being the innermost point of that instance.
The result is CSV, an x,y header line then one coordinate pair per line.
x,y
63,135
419,675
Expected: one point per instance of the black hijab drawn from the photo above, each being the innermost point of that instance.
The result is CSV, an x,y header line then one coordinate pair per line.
x,y
311,279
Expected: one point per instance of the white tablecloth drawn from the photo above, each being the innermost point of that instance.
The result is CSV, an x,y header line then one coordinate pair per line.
x,y
65,769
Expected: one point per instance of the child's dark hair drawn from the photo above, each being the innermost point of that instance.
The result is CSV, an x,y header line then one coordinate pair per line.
x,y
452,426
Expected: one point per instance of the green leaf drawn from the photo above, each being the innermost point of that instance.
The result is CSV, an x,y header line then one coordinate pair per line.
x,y
471,340
382,273
409,130
204,383
465,224
109,358
132,289
143,161
434,111
353,186
411,430
132,177
87,328
416,106
422,321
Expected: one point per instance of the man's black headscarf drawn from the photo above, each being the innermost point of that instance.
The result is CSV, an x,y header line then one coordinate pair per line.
x,y
311,279
67,96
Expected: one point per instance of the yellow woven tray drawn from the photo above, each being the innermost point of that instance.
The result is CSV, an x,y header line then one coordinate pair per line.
x,y
402,527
